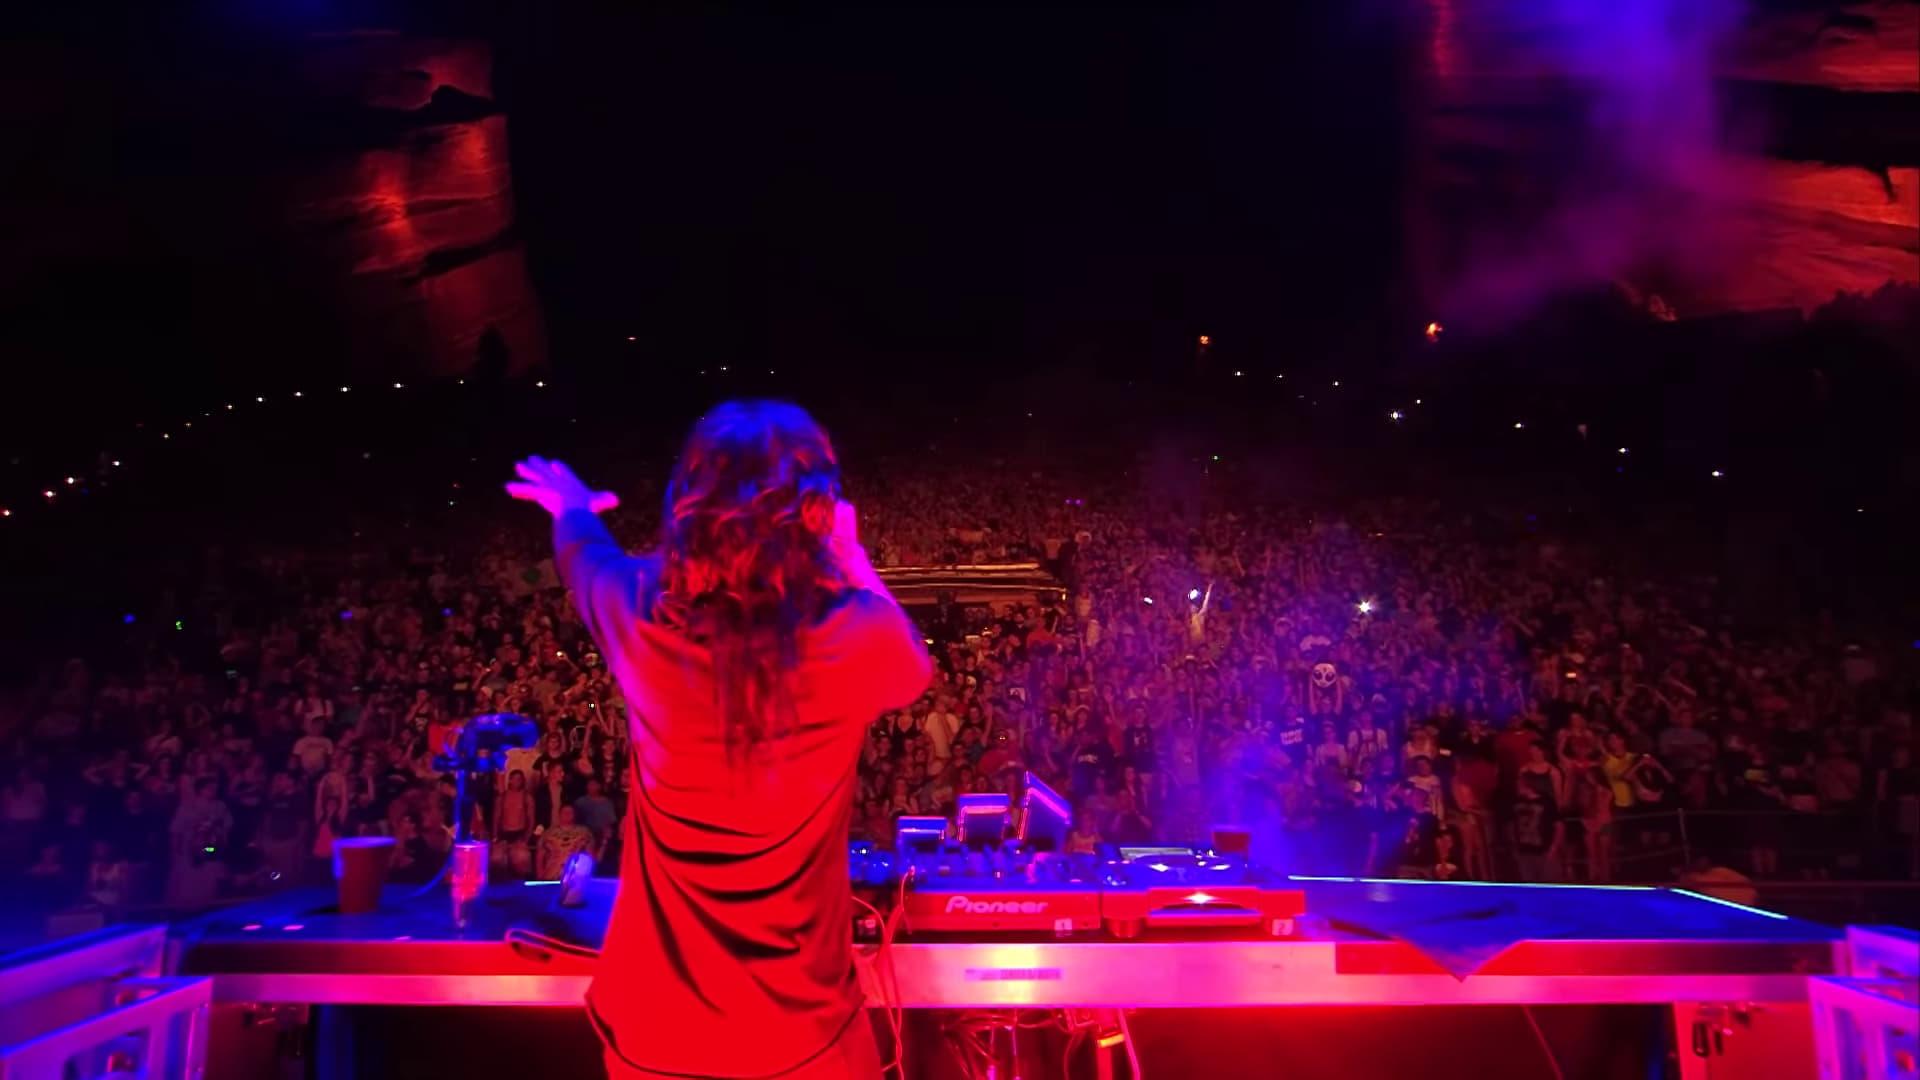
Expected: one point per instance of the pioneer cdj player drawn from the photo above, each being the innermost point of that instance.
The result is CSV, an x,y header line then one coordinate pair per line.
x,y
968,877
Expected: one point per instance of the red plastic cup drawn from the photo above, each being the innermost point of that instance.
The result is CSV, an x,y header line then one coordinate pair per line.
x,y
360,868
1232,839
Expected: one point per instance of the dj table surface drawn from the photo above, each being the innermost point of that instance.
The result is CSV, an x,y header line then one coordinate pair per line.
x,y
1365,942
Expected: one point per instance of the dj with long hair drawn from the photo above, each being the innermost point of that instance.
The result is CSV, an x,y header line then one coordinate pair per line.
x,y
755,645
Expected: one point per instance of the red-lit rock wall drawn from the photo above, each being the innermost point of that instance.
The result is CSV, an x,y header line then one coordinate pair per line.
x,y
1871,47
408,199
1702,155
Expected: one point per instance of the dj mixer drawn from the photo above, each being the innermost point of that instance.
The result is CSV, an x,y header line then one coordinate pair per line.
x,y
1007,889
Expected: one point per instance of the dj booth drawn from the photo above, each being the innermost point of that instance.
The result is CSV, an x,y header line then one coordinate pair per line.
x,y
989,956
289,987
1541,946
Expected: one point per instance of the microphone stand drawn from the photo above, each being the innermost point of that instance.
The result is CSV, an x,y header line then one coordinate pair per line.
x,y
490,732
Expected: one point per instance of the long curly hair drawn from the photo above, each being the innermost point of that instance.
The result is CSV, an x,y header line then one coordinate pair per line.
x,y
746,559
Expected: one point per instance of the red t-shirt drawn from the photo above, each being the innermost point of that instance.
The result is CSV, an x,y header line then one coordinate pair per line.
x,y
730,949
441,735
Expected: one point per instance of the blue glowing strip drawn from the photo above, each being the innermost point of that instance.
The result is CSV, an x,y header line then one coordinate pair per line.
x,y
531,883
1479,884
1508,884
1731,904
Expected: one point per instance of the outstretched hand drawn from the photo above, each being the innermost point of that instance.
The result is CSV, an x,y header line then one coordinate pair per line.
x,y
554,486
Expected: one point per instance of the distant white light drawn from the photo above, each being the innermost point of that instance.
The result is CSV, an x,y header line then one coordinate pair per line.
x,y
1336,382
1193,594
1623,449
1365,606
344,389
116,463
1419,401
1517,425
71,480
1144,599
1716,474
540,385
1237,374
297,393
1396,416
397,386
259,400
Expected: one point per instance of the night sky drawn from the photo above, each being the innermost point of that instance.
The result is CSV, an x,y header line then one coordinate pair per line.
x,y
905,196
908,194
980,190
911,200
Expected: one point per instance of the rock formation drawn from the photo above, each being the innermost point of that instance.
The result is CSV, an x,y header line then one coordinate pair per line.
x,y
410,201
1703,155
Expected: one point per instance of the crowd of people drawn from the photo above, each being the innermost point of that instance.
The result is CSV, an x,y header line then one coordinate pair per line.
x,y
1398,688
1393,690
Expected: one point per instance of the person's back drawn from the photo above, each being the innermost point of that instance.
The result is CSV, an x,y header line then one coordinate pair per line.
x,y
744,920
754,652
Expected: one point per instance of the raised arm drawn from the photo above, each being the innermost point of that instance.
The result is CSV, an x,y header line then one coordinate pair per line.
x,y
604,579
889,654
850,556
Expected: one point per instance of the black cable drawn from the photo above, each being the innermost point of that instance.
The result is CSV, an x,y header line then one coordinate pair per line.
x,y
888,977
534,938
1546,1047
439,875
460,801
